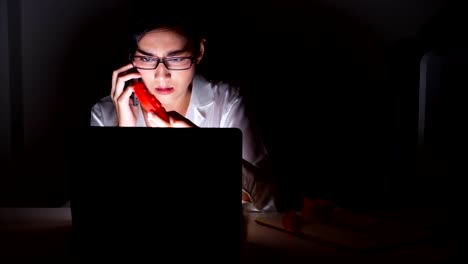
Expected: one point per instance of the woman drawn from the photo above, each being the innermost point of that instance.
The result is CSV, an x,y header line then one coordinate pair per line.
x,y
164,57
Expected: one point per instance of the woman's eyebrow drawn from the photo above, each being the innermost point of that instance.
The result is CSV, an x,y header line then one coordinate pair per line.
x,y
145,52
176,52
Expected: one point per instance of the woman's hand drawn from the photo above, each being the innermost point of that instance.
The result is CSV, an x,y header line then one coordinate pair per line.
x,y
175,120
126,112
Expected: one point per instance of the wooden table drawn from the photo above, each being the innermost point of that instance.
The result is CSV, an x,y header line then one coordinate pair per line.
x,y
42,235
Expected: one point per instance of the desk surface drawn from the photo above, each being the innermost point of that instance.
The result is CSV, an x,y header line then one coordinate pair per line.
x,y
32,234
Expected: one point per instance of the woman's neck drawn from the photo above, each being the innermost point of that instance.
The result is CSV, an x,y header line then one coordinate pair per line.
x,y
181,105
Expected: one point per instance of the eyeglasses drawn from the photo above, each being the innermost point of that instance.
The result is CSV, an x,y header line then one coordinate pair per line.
x,y
151,63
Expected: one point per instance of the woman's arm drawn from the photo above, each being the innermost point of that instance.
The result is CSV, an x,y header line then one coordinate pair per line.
x,y
258,186
257,178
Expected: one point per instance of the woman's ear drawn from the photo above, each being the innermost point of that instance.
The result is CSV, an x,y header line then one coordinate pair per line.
x,y
202,50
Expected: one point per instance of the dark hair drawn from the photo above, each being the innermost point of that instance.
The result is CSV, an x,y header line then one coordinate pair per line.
x,y
180,23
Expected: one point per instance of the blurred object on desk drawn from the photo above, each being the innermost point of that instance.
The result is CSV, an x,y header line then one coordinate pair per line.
x,y
317,210
354,231
314,210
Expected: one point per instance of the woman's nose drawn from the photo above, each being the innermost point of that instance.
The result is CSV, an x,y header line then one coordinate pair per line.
x,y
161,71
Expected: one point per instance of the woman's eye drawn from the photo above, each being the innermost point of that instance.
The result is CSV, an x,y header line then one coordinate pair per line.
x,y
177,59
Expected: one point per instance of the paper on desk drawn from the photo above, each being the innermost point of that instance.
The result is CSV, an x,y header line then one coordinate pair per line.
x,y
355,232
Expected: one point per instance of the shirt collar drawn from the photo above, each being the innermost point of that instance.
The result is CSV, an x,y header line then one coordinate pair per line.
x,y
202,94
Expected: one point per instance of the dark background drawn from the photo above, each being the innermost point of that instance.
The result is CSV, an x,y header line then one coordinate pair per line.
x,y
334,87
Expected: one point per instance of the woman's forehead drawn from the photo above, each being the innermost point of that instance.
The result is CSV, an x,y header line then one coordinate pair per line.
x,y
163,37
163,43
167,33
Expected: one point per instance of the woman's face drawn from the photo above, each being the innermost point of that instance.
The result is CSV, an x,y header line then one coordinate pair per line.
x,y
169,86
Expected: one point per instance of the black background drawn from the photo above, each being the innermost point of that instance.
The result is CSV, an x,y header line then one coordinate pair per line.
x,y
335,92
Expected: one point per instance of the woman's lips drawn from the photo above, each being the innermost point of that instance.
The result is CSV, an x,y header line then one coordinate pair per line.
x,y
164,90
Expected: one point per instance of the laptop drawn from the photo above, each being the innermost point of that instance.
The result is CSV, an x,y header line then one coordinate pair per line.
x,y
154,194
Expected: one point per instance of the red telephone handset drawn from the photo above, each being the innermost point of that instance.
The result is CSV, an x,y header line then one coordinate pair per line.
x,y
149,101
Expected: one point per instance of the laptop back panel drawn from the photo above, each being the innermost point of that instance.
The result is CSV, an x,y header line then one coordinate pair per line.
x,y
146,193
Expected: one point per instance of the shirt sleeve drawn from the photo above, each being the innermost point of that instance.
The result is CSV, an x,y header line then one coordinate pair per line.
x,y
96,116
103,113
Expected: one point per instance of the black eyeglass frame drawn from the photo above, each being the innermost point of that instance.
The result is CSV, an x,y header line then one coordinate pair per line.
x,y
131,57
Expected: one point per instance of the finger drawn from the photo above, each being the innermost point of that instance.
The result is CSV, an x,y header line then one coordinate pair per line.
x,y
120,85
177,120
124,105
116,74
178,123
156,121
124,97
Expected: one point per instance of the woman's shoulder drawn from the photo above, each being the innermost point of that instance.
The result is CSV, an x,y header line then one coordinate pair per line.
x,y
221,90
104,107
104,103
104,110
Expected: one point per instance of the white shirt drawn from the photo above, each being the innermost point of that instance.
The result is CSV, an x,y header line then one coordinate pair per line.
x,y
215,105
